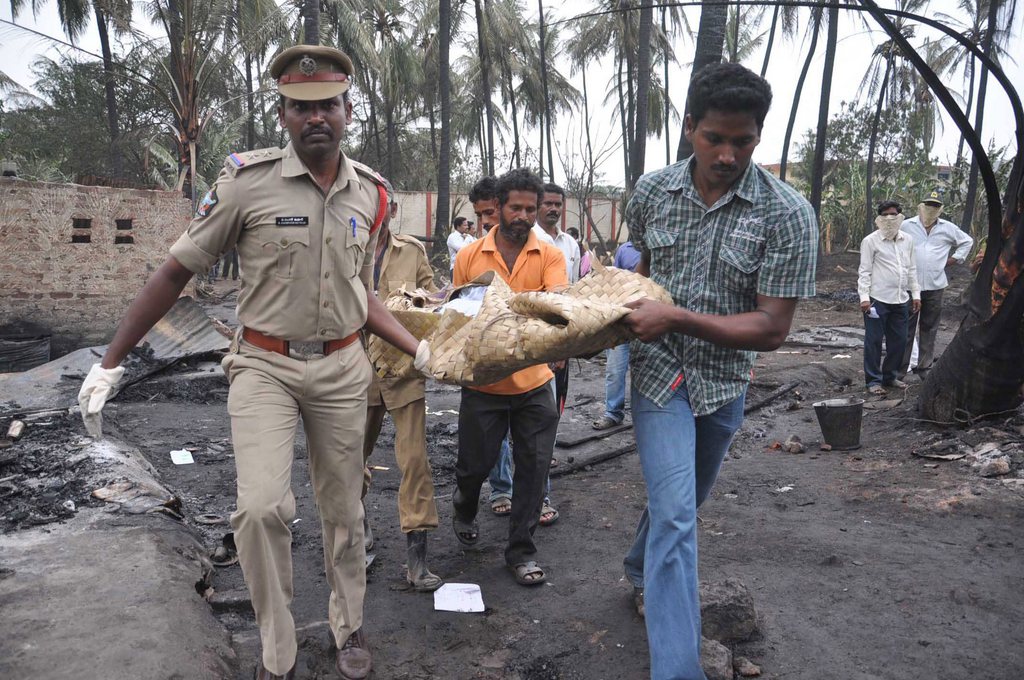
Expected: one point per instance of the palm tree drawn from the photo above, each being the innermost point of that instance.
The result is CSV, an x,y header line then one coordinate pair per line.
x,y
251,28
816,18
444,94
708,50
988,46
818,170
310,22
643,82
787,14
484,41
109,14
741,36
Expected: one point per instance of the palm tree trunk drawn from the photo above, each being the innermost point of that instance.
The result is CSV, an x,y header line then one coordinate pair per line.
x,y
818,171
507,71
771,41
967,111
445,95
797,94
547,100
643,84
708,50
116,166
967,220
624,124
250,105
391,136
311,22
869,203
485,79
586,117
668,100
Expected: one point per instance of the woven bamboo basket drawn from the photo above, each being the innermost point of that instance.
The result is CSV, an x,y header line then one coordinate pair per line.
x,y
416,312
516,330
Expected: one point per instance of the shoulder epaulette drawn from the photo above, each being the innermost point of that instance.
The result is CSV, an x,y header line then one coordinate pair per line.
x,y
370,173
247,159
407,238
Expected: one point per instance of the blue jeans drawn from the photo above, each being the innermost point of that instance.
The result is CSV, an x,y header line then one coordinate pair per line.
x,y
892,324
680,456
616,364
500,478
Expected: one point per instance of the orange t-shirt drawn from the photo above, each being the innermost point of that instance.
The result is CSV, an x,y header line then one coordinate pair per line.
x,y
540,266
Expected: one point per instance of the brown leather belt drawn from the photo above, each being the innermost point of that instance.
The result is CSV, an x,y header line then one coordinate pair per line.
x,y
296,350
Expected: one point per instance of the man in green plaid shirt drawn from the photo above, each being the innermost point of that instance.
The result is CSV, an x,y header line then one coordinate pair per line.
x,y
736,248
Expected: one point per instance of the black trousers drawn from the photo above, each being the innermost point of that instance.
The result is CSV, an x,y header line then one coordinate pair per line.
x,y
483,421
562,387
925,324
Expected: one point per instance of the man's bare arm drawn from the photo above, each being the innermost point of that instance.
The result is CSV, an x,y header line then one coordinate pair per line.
x,y
761,330
156,297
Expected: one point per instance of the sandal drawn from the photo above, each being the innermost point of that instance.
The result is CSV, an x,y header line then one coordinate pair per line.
x,y
548,515
501,506
528,573
605,423
877,390
467,533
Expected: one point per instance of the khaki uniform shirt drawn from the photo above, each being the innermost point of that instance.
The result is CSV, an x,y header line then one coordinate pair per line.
x,y
404,265
306,258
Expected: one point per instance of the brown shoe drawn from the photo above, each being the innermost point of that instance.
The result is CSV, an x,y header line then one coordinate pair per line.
x,y
354,661
263,674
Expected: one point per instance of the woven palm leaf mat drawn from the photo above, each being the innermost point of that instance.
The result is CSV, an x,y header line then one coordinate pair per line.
x,y
516,330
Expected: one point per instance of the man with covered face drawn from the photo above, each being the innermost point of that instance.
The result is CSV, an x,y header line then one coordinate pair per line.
x,y
887,271
938,243
522,403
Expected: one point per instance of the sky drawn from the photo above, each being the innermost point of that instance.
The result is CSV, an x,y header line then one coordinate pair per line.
x,y
18,49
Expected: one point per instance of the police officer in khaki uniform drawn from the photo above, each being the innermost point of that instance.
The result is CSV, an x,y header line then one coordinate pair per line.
x,y
401,262
303,219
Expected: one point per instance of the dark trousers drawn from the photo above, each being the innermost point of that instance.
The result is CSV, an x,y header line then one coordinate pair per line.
x,y
925,324
483,421
562,387
892,325
229,263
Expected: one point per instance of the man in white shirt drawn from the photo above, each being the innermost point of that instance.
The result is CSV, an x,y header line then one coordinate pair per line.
x,y
887,270
549,231
459,238
938,243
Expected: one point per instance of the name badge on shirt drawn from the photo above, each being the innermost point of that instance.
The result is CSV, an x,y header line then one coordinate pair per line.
x,y
299,221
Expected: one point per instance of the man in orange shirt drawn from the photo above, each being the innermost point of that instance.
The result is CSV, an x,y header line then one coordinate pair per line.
x,y
523,402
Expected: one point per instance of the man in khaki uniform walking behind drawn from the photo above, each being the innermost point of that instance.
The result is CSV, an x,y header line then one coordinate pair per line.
x,y
401,261
303,219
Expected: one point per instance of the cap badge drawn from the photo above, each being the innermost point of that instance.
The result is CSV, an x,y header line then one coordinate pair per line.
x,y
307,65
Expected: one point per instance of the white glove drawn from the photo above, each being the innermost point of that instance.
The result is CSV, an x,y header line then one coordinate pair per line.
x,y
422,360
93,396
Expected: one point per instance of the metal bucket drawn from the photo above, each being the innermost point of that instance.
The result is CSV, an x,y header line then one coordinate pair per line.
x,y
840,421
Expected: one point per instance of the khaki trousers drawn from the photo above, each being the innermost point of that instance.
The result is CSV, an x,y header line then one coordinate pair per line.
x,y
416,507
268,394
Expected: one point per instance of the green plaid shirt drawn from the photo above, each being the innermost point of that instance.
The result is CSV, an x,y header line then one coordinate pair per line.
x,y
761,237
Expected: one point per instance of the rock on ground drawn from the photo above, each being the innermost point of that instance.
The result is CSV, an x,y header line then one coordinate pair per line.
x,y
727,611
716,660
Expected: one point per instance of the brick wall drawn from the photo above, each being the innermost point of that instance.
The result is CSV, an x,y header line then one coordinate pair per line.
x,y
78,291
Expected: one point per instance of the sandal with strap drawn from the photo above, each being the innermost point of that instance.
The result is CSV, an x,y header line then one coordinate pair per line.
x,y
548,515
528,573
467,533
502,507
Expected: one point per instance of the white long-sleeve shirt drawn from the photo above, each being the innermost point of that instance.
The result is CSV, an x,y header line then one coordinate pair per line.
x,y
932,248
887,269
457,242
567,244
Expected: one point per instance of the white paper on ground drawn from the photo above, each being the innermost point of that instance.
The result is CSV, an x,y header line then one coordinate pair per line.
x,y
182,457
458,597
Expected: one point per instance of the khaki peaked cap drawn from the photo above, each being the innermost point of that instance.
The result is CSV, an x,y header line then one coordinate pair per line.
x,y
312,72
